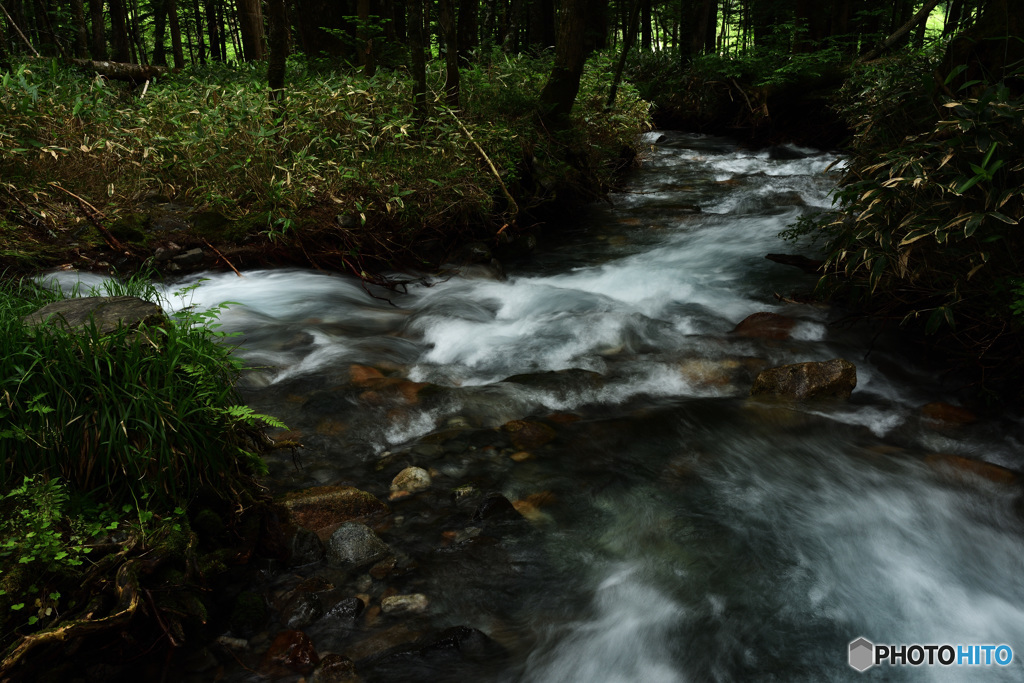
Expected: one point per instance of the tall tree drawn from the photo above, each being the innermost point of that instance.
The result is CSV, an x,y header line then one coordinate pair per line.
x,y
468,29
159,31
199,31
175,26
99,35
446,22
81,32
417,59
364,35
119,31
250,24
213,29
277,17
559,93
5,62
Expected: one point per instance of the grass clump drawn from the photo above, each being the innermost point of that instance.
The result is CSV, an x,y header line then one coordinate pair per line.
x,y
149,414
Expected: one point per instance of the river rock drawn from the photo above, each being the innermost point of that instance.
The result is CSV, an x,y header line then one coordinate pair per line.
x,y
961,466
411,480
354,545
322,509
833,379
305,548
302,610
947,414
108,312
413,603
495,507
527,434
335,668
765,325
345,611
292,650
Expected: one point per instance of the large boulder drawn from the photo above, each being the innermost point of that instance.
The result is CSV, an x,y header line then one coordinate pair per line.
x,y
832,379
107,312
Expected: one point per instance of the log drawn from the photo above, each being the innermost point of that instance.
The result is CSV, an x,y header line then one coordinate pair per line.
x,y
120,71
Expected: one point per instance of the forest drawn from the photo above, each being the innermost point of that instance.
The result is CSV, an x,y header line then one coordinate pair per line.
x,y
383,138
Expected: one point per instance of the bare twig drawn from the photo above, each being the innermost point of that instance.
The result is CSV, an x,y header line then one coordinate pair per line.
x,y
112,241
222,256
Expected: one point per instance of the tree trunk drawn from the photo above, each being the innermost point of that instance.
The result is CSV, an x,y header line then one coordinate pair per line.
x,y
119,31
277,17
467,29
559,93
597,26
136,34
627,45
417,59
991,49
175,26
199,31
446,21
159,33
706,28
99,33
250,23
212,33
81,32
645,25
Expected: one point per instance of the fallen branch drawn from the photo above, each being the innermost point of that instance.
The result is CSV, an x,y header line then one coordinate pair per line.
x,y
85,206
120,71
922,15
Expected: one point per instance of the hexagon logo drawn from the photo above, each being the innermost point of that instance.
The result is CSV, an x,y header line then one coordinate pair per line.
x,y
862,654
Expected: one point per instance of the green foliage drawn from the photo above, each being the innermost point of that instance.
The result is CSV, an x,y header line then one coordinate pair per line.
x,y
136,415
337,143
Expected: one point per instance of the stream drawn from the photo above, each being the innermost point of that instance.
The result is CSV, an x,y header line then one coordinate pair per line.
x,y
669,527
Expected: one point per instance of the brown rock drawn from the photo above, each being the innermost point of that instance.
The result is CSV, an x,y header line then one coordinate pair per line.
x,y
522,456
960,466
323,509
361,374
292,650
765,326
526,434
948,414
833,379
414,603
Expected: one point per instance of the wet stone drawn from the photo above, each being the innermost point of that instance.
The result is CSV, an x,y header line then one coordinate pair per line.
x,y
291,650
108,313
414,603
335,668
495,507
306,548
345,611
411,479
302,610
834,379
765,326
354,545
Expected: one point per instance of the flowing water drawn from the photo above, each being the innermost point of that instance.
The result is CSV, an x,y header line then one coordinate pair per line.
x,y
679,530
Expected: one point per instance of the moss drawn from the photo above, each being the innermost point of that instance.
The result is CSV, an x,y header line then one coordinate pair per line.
x,y
248,614
208,523
213,226
131,228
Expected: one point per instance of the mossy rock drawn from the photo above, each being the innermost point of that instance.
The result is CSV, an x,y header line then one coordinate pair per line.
x,y
131,228
248,614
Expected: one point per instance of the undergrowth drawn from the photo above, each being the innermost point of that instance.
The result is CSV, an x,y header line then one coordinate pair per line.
x,y
339,144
